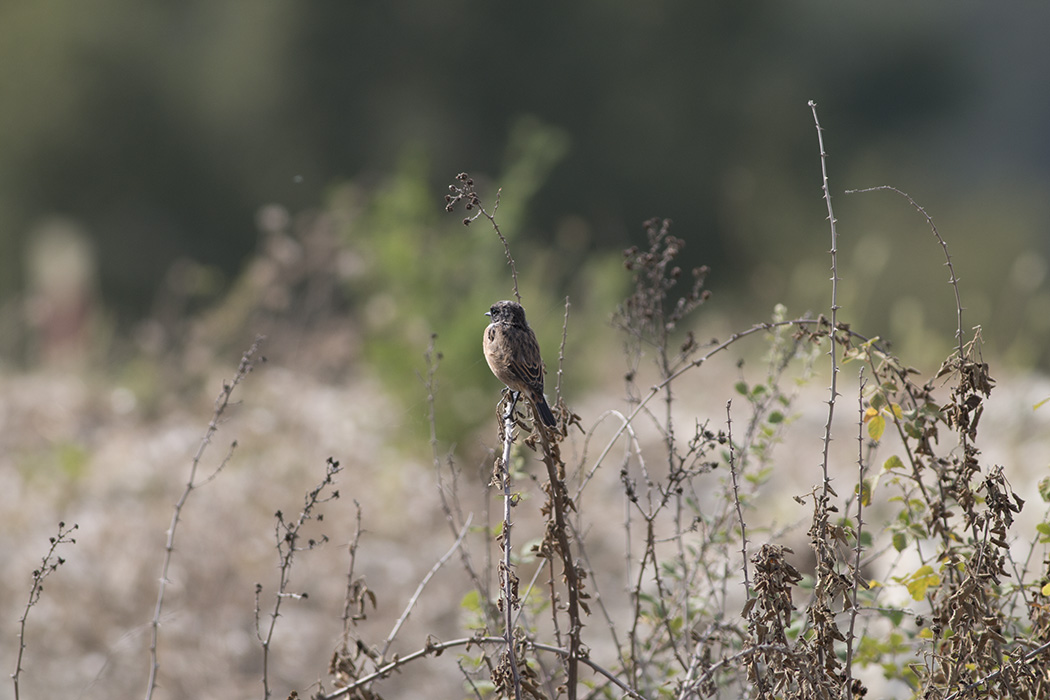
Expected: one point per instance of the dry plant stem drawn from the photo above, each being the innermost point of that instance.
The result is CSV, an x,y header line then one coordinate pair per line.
x,y
352,550
657,388
858,550
287,536
434,648
491,216
634,667
507,576
469,681
506,246
465,190
1027,658
422,584
673,638
48,564
561,351
629,691
743,654
825,563
431,648
952,279
834,296
221,404
736,498
597,596
528,591
553,593
683,693
632,438
559,497
908,450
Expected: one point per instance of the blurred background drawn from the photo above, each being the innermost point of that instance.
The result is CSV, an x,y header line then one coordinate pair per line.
x,y
176,178
140,145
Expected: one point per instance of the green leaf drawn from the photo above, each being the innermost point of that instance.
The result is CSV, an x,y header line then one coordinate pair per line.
x,y
900,541
918,583
471,602
741,388
776,417
876,426
1044,489
892,464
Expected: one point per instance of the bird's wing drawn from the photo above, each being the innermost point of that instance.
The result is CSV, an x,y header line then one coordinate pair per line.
x,y
530,374
527,366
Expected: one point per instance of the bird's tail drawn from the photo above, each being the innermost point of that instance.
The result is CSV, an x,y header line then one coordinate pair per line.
x,y
544,412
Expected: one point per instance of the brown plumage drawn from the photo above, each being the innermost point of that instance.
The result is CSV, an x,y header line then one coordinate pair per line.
x,y
514,355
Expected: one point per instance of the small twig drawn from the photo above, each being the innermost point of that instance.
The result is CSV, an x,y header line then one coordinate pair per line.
x,y
348,604
48,565
625,425
825,562
999,671
834,300
743,654
508,579
720,347
506,246
736,497
858,550
597,595
559,504
466,191
422,584
287,535
435,648
469,681
528,589
561,351
631,692
221,404
952,279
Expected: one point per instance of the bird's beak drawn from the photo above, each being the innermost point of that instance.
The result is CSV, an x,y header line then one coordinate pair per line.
x,y
488,313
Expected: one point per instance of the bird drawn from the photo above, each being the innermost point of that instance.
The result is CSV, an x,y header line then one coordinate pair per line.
x,y
514,355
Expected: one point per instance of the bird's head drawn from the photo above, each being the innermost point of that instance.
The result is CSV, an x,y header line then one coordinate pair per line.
x,y
510,312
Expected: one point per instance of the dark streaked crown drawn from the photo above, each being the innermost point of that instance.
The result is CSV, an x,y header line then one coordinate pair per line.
x,y
510,312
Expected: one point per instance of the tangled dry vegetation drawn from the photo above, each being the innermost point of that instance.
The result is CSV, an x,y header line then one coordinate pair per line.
x,y
659,551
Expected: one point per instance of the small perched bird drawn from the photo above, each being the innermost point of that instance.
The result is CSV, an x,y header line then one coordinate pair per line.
x,y
514,355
